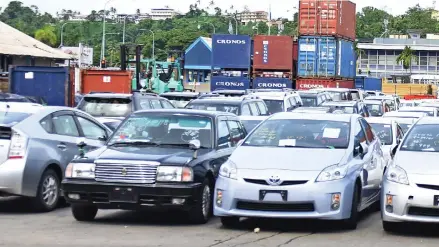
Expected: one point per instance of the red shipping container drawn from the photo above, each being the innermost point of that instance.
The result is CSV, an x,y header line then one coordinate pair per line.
x,y
273,53
115,81
306,84
327,18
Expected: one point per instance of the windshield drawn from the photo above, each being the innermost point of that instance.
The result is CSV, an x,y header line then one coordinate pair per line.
x,y
430,113
384,132
301,133
12,118
249,125
179,102
344,109
355,95
165,130
422,138
391,104
405,127
336,96
371,93
309,101
274,106
214,107
106,107
375,110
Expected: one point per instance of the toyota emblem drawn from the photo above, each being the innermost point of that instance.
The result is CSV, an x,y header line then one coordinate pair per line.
x,y
124,171
274,181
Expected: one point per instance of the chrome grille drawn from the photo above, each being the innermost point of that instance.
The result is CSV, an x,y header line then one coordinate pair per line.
x,y
125,171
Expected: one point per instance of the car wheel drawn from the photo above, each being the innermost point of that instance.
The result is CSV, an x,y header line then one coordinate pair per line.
x,y
230,222
202,211
352,221
84,212
48,193
390,226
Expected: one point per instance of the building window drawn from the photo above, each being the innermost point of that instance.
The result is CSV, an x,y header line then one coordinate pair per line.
x,y
423,61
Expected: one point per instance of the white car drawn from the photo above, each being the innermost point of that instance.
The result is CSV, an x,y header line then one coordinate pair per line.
x,y
389,99
404,123
399,114
407,103
431,111
280,101
374,93
250,122
411,182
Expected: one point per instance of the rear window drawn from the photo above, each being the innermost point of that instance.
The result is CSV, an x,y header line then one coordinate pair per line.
x,y
106,107
274,106
207,106
12,118
309,101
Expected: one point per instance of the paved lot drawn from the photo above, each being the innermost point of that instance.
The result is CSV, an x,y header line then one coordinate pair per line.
x,y
19,227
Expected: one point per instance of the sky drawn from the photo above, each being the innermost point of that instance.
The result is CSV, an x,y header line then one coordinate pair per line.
x,y
279,8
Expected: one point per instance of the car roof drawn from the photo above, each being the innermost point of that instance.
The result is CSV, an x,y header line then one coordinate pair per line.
x,y
236,100
227,91
181,94
418,108
380,120
253,117
340,103
314,116
404,114
188,112
310,93
428,120
108,95
312,109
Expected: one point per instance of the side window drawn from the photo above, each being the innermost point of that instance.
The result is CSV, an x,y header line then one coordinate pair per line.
x,y
145,104
47,125
156,104
90,129
287,105
293,101
368,129
223,135
65,125
400,133
246,110
167,105
262,108
360,136
236,132
254,108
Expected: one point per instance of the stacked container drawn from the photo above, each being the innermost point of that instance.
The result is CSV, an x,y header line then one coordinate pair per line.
x,y
231,61
272,62
326,56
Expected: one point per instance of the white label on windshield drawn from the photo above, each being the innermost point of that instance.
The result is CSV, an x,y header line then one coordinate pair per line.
x,y
386,126
211,108
287,142
331,133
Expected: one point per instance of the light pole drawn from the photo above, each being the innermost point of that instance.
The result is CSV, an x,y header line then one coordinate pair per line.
x,y
153,42
124,28
214,31
62,34
103,30
236,22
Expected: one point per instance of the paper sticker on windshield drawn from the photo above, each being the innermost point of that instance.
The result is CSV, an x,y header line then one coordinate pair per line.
x,y
331,133
287,142
209,108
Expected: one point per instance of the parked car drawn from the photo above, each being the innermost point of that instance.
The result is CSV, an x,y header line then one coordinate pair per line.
x,y
280,101
9,97
357,94
349,107
409,191
390,100
431,111
376,108
164,159
250,122
242,106
337,94
374,93
408,103
313,98
37,143
405,123
342,180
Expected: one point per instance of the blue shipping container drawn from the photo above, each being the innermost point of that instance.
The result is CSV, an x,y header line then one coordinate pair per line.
x,y
199,54
52,83
328,57
272,83
231,51
369,83
229,83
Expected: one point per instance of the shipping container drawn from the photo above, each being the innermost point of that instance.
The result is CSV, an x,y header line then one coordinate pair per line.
x,y
295,57
51,83
272,83
273,53
326,57
229,83
327,18
368,83
115,81
306,84
231,51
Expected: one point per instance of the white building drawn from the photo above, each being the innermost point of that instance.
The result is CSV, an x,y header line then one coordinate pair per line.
x,y
252,16
162,14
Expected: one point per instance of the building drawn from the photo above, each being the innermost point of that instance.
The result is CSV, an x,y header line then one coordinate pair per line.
x,y
252,16
132,17
162,14
378,59
197,65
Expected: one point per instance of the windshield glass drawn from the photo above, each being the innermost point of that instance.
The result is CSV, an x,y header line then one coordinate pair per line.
x,y
344,109
405,127
249,125
336,96
430,113
214,107
165,130
301,133
12,118
384,132
422,138
391,104
106,107
274,106
178,101
309,101
375,110
355,95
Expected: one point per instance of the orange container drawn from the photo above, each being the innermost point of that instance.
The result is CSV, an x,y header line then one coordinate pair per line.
x,y
115,81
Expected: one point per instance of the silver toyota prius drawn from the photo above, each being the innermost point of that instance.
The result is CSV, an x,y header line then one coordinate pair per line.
x,y
293,165
410,191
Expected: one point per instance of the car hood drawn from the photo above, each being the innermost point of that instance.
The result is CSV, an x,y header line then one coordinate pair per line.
x,y
295,159
418,162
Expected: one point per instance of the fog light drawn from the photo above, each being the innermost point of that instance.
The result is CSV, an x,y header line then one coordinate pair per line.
x,y
389,203
335,201
219,198
74,196
178,201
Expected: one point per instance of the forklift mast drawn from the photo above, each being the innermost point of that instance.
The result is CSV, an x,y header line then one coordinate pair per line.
x,y
127,50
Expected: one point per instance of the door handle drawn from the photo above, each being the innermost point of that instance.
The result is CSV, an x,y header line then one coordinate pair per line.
x,y
62,146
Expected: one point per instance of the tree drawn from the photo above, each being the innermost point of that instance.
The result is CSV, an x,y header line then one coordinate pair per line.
x,y
46,35
406,57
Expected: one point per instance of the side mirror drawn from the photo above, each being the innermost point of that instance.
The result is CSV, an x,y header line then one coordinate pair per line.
x,y
103,138
364,148
81,143
195,144
240,142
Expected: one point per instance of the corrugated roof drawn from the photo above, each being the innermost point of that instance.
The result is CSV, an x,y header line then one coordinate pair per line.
x,y
14,42
208,41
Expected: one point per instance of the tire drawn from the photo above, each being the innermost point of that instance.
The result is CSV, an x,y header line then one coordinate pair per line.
x,y
390,226
84,212
230,222
352,222
202,210
48,193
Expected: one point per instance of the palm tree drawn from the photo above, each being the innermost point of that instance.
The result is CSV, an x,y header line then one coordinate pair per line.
x,y
406,57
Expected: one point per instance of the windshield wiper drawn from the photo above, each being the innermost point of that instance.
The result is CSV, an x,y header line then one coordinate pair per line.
x,y
186,145
135,143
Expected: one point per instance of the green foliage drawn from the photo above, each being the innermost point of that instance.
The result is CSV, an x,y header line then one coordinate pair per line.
x,y
46,35
406,57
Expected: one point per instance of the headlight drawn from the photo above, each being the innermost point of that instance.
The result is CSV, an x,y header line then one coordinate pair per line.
x,y
80,170
174,174
396,174
228,170
334,172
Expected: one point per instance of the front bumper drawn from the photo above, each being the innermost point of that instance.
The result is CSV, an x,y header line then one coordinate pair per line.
x,y
410,203
153,196
310,200
11,177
